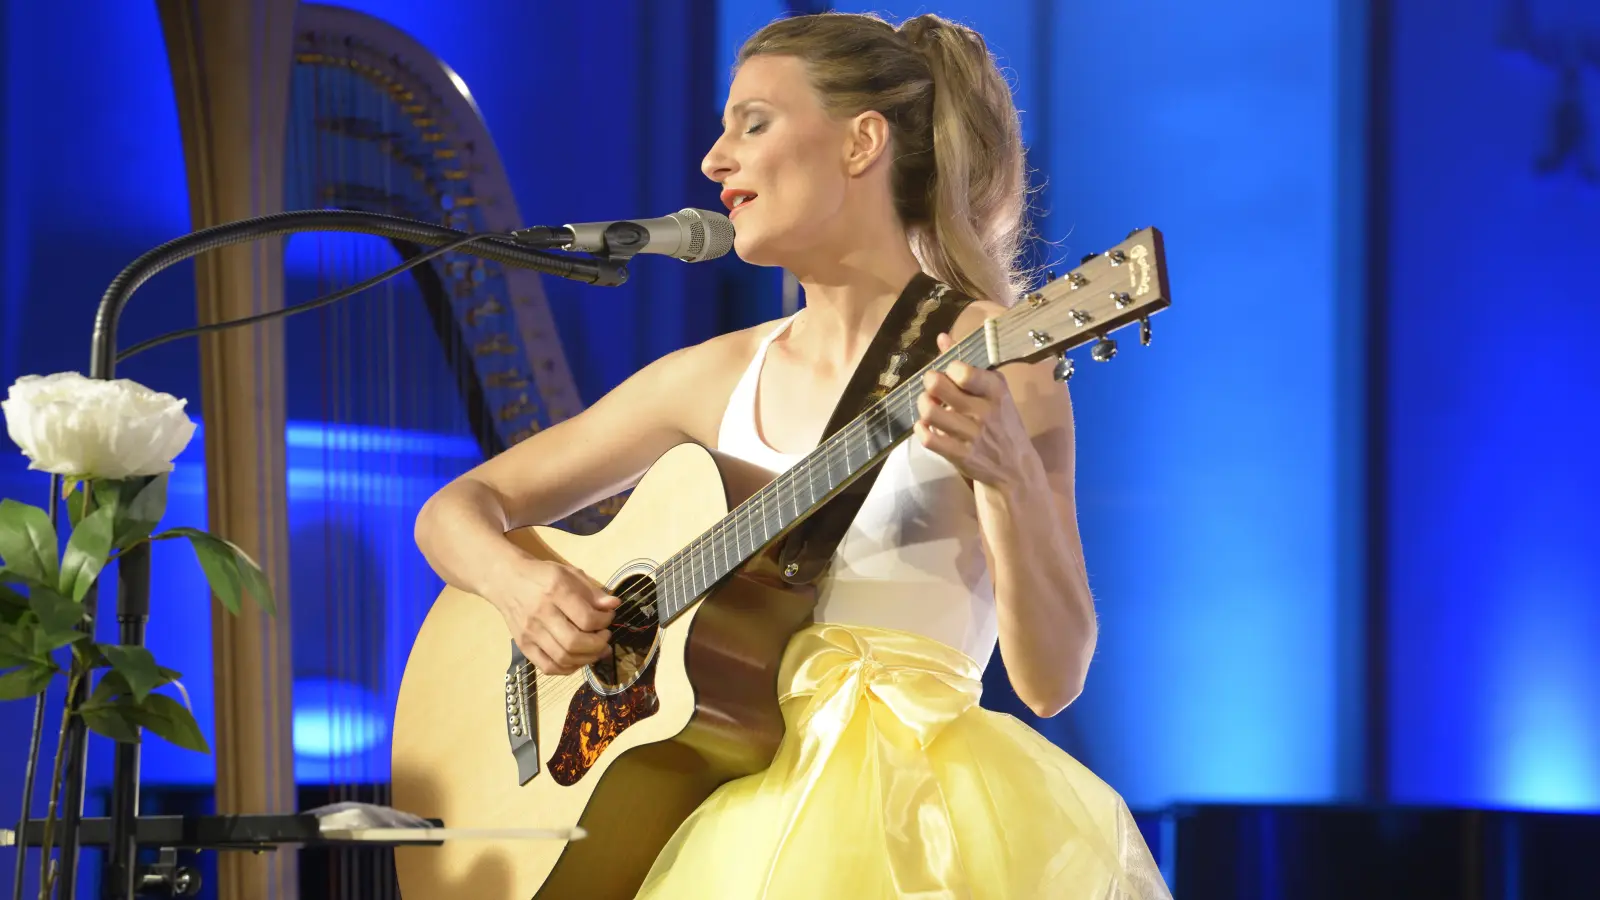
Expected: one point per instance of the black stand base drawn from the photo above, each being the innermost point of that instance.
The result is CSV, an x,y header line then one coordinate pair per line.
x,y
170,834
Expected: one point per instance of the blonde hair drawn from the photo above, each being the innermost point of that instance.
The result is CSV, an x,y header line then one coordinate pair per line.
x,y
958,174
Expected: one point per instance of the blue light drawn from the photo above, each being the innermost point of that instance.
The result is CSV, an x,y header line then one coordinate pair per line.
x,y
336,719
1206,463
1494,495
369,439
1544,748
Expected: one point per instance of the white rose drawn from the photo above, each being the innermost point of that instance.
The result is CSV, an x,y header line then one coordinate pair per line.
x,y
68,424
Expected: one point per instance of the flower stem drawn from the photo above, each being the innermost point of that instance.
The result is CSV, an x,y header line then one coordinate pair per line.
x,y
47,872
27,789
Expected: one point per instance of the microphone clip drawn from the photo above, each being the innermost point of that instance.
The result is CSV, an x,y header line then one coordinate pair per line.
x,y
619,242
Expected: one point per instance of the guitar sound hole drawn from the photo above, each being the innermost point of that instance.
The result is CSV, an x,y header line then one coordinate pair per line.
x,y
634,628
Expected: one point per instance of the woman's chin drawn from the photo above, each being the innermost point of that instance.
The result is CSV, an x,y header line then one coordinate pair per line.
x,y
753,250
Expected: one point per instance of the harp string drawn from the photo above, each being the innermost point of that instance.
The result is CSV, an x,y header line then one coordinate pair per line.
x,y
388,380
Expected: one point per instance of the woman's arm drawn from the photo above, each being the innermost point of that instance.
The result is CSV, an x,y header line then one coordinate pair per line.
x,y
557,615
1011,433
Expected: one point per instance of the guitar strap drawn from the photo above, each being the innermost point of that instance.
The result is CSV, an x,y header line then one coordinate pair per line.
x,y
905,343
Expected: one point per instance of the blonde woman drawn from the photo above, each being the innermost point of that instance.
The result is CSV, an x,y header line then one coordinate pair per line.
x,y
870,161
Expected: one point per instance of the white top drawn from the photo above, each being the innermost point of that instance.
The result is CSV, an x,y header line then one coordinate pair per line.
x,y
912,559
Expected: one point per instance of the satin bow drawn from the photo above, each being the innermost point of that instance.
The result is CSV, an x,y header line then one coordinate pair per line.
x,y
912,687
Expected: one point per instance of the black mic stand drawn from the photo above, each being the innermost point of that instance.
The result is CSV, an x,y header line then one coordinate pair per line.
x,y
123,832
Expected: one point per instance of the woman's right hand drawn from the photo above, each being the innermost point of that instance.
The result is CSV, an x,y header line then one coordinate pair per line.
x,y
558,616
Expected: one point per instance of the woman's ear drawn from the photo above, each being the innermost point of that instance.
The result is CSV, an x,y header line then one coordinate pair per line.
x,y
867,141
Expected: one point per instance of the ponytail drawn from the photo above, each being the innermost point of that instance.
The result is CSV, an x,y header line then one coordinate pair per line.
x,y
975,192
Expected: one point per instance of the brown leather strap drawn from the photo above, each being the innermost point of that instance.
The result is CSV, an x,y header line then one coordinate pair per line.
x,y
906,342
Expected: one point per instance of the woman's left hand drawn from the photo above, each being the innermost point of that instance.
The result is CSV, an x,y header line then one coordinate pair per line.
x,y
967,415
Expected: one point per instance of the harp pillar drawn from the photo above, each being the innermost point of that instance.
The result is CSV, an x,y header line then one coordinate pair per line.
x,y
230,67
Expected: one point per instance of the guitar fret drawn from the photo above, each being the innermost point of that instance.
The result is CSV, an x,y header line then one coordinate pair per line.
x,y
699,570
674,600
794,499
738,534
717,552
760,506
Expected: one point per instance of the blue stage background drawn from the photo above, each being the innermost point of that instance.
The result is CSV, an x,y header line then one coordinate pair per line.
x,y
1340,517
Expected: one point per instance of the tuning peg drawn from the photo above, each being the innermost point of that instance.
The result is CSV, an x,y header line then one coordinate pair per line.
x,y
1104,349
1087,257
1050,276
1063,370
1117,257
1144,330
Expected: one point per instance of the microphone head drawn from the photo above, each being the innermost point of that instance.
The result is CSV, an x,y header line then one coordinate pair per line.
x,y
710,234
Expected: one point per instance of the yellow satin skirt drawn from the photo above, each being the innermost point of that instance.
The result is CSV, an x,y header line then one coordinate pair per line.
x,y
892,782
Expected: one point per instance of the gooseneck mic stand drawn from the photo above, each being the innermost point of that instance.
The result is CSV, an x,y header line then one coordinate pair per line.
x,y
123,832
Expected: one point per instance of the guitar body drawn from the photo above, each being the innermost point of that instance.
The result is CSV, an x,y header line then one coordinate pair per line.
x,y
628,753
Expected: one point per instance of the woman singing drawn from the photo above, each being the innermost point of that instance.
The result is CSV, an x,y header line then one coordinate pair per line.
x,y
869,161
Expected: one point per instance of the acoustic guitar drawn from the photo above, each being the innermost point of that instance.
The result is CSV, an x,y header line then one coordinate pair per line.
x,y
627,748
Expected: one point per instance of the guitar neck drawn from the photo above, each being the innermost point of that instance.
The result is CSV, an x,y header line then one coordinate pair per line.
x,y
772,512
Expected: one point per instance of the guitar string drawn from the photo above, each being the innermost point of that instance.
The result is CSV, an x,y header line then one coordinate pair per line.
x,y
633,599
910,391
878,414
555,684
757,507
552,684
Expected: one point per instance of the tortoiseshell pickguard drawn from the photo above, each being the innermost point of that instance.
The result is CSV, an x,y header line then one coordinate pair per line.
x,y
594,721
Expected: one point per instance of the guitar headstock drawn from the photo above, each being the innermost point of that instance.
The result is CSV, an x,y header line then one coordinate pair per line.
x,y
1108,291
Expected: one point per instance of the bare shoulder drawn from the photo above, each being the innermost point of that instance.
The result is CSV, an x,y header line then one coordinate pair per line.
x,y
698,379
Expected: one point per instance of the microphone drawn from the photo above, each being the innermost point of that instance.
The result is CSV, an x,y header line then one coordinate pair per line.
x,y
692,235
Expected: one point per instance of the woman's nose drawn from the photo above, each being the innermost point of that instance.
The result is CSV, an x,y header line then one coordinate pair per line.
x,y
718,165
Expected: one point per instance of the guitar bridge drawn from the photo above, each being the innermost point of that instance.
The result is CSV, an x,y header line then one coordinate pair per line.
x,y
522,715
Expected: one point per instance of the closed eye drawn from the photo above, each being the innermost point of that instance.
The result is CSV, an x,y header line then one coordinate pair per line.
x,y
757,128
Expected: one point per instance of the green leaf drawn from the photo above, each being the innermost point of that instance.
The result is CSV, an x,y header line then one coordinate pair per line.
x,y
229,569
106,691
138,516
255,581
28,543
217,561
116,720
169,719
12,605
55,612
137,667
58,620
79,502
47,642
27,681
16,644
114,684
87,551
137,504
88,652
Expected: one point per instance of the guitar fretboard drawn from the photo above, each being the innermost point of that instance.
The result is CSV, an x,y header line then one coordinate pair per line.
x,y
796,493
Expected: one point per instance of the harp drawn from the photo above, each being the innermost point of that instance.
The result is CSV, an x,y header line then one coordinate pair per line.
x,y
326,431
